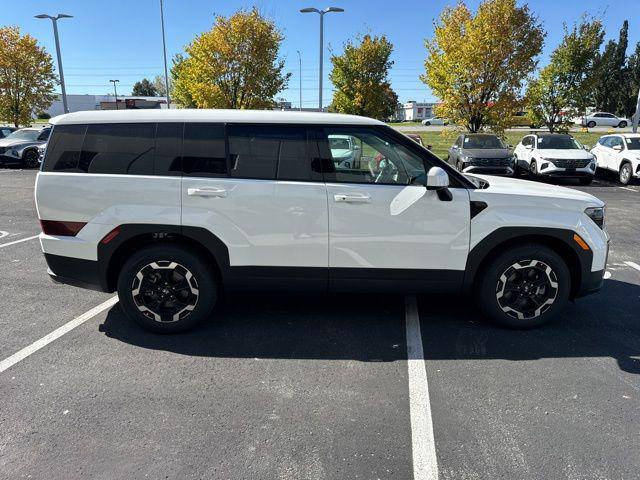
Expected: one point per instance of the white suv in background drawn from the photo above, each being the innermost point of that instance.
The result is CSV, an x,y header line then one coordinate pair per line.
x,y
170,207
555,155
603,119
619,153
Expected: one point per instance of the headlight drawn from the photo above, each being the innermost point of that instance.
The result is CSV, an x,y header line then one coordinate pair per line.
x,y
597,215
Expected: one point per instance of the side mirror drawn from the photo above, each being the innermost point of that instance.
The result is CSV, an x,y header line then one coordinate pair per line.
x,y
617,148
437,179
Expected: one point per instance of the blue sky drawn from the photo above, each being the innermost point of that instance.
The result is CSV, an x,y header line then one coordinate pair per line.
x,y
121,39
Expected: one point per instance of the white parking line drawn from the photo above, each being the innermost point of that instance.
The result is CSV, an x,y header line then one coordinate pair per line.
x,y
3,234
425,463
57,333
627,188
2,245
633,265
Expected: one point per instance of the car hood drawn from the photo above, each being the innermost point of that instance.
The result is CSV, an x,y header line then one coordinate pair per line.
x,y
486,152
525,188
9,142
577,154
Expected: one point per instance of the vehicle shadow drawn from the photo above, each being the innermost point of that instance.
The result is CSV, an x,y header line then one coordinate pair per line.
x,y
372,329
602,325
335,327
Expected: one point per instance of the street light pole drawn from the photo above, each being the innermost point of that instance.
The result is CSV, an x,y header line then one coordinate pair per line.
x,y
636,117
321,13
300,82
115,92
54,20
164,55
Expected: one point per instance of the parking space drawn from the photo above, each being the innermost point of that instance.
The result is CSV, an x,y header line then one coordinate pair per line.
x,y
317,387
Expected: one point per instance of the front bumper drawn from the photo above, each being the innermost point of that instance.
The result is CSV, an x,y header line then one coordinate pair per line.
x,y
489,170
550,170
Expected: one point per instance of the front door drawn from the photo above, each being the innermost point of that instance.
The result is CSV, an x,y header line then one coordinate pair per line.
x,y
385,229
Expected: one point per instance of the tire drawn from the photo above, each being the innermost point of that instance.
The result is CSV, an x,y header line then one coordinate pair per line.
x,y
30,159
523,287
591,124
152,272
427,124
622,124
625,173
585,181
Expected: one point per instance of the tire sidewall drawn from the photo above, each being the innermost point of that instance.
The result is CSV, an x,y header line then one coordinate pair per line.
x,y
486,287
26,161
207,286
625,165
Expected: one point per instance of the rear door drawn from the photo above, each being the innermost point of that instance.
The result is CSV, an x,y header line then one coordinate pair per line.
x,y
385,230
255,189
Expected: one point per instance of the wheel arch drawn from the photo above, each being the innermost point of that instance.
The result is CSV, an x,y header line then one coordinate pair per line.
x,y
559,240
131,238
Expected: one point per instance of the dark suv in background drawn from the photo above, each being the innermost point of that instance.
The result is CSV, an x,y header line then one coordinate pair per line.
x,y
481,153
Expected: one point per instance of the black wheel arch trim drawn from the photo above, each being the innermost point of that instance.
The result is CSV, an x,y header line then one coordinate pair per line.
x,y
578,260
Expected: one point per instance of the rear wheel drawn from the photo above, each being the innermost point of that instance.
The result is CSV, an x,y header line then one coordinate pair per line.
x,y
524,287
30,159
625,173
166,288
591,124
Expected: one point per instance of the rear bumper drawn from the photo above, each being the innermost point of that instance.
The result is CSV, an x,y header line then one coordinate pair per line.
x,y
77,272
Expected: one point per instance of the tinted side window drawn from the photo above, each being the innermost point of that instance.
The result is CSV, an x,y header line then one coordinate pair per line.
x,y
269,152
44,135
63,149
168,159
203,150
124,148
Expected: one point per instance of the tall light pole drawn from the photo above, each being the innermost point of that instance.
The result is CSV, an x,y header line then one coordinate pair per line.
x,y
636,117
300,87
321,13
54,20
164,55
115,92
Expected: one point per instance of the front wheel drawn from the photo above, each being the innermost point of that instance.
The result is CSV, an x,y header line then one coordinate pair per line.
x,y
625,173
30,159
167,288
622,124
524,287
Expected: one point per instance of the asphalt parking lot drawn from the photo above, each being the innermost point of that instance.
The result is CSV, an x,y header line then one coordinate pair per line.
x,y
313,388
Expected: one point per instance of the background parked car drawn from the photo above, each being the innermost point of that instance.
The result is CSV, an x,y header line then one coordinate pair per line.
x,y
435,121
481,153
345,151
620,154
4,131
521,119
604,119
21,146
555,155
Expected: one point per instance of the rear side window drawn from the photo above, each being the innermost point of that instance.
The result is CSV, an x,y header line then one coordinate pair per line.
x,y
203,150
270,152
168,149
63,149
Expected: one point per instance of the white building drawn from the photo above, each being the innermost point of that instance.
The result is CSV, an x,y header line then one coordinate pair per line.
x,y
414,111
78,103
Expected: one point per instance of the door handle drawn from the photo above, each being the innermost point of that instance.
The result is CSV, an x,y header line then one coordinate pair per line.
x,y
354,198
207,192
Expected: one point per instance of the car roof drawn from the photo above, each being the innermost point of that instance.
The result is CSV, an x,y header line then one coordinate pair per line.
x,y
209,115
547,134
480,135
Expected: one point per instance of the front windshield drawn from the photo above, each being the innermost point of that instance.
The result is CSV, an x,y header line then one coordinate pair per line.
x,y
24,135
633,143
559,142
482,141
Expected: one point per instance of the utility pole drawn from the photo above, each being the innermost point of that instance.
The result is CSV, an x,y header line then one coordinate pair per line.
x,y
54,20
322,14
300,86
164,55
115,92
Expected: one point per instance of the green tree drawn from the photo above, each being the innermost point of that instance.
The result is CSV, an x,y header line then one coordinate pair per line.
x,y
179,83
632,82
144,88
160,86
610,86
476,64
564,87
26,77
360,77
234,65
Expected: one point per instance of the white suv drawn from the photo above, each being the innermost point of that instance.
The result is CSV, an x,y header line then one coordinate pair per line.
x,y
621,154
170,207
555,155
